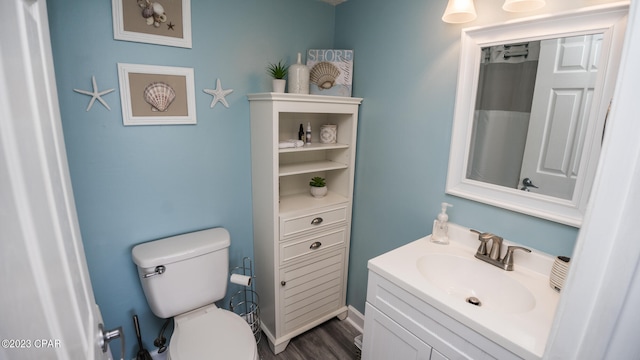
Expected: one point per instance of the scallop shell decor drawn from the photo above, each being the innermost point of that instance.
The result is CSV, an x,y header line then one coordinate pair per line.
x,y
324,74
159,95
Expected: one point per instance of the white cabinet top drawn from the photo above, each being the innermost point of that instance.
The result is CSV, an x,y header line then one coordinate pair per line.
x,y
304,98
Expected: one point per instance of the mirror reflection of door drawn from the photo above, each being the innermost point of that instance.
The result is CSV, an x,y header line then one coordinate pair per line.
x,y
562,99
532,114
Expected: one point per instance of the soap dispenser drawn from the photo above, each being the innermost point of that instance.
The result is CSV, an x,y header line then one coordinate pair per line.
x,y
440,234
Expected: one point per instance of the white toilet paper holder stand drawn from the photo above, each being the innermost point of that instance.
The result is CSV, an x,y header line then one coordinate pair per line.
x,y
245,301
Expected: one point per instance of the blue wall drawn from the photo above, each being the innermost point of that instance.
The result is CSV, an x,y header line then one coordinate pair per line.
x,y
406,63
134,184
139,183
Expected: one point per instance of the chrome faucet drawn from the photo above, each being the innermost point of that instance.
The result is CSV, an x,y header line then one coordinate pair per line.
x,y
492,256
496,247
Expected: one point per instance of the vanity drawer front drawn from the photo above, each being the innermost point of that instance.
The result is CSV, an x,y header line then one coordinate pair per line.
x,y
312,289
311,221
319,243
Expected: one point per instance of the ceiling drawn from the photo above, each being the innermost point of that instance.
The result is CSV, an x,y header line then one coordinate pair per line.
x,y
334,2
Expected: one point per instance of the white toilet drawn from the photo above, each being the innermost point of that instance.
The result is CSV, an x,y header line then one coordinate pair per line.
x,y
182,276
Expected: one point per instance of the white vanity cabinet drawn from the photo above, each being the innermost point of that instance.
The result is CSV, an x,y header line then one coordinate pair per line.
x,y
301,243
399,325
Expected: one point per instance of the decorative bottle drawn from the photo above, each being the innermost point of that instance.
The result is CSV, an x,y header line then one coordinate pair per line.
x,y
298,77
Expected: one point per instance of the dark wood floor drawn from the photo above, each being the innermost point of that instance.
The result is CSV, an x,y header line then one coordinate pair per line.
x,y
332,340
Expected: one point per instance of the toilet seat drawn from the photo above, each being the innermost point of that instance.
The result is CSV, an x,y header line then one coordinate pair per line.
x,y
209,333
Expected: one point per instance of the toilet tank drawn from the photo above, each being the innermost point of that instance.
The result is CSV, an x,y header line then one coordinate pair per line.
x,y
184,272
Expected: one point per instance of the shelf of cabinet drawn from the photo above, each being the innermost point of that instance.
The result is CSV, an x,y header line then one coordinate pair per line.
x,y
309,167
306,202
314,147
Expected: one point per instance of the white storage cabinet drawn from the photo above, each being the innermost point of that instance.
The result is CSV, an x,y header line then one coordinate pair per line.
x,y
301,243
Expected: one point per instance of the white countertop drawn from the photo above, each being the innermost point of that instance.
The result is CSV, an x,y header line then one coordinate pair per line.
x,y
525,333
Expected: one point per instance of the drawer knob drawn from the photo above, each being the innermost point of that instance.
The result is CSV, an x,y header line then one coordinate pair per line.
x,y
316,221
315,245
283,283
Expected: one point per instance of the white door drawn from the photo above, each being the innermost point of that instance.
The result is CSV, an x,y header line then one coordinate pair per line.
x,y
47,306
567,73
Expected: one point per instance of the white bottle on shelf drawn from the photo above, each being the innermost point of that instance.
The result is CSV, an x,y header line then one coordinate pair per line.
x,y
298,77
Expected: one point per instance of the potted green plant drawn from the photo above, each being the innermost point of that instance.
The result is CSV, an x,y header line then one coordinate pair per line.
x,y
278,72
318,187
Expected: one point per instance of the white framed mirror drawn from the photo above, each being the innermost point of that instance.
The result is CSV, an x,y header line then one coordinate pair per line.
x,y
526,134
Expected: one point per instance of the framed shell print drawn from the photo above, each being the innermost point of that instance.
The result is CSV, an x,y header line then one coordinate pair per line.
x,y
157,95
161,22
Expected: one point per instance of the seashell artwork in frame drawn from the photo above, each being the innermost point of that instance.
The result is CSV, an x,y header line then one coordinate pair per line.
x,y
157,95
161,22
324,74
330,72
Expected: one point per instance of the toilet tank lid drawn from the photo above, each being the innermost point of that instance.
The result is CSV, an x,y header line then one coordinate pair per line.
x,y
180,247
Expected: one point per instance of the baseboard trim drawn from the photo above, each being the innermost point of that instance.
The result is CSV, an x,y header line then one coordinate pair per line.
x,y
356,319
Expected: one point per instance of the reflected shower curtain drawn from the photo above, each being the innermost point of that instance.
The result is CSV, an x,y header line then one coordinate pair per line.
x,y
502,111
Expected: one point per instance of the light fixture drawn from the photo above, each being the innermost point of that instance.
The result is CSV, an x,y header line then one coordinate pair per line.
x,y
459,11
522,5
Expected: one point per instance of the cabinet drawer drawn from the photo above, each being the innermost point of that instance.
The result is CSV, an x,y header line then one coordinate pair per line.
x,y
319,219
296,249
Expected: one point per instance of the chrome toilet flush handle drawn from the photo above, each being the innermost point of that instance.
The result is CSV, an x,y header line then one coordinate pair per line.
x,y
159,270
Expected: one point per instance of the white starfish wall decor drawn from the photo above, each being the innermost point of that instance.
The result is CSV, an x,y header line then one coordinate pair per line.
x,y
95,94
218,95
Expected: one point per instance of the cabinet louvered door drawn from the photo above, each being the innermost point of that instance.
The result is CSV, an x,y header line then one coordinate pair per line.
x,y
311,290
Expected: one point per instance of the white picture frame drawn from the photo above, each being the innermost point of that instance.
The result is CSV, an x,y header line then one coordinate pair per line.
x,y
130,25
135,78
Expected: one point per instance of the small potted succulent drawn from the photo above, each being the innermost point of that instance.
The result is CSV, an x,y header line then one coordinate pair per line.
x,y
318,187
278,72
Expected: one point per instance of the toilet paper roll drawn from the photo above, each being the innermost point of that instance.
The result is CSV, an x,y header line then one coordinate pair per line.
x,y
241,279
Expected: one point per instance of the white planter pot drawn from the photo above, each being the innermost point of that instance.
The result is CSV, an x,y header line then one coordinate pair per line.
x,y
279,85
318,191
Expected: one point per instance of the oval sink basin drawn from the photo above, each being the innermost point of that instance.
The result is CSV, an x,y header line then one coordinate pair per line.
x,y
463,278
